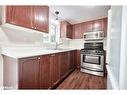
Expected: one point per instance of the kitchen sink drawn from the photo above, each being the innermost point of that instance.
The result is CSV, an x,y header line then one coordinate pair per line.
x,y
58,49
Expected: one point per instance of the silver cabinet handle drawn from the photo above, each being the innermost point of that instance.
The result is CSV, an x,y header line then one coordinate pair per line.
x,y
39,58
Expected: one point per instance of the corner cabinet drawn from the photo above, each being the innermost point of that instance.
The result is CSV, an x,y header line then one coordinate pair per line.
x,y
29,73
33,17
65,30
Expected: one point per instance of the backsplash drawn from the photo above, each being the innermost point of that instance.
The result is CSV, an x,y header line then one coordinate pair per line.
x,y
3,38
77,43
16,34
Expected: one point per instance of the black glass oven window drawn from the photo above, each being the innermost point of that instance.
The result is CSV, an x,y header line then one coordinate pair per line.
x,y
91,59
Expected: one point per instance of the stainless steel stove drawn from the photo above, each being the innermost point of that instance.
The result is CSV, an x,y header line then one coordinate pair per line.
x,y
92,59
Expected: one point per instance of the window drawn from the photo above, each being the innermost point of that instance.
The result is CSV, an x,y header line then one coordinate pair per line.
x,y
54,33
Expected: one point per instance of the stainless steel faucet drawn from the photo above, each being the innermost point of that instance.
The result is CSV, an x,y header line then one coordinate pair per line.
x,y
58,44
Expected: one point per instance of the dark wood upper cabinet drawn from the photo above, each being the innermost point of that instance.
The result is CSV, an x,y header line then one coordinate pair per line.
x,y
77,31
105,26
98,25
19,15
89,26
41,15
65,30
33,17
83,27
69,31
9,12
29,73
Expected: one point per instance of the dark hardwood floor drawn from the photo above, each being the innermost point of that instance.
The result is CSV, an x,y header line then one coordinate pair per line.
x,y
78,80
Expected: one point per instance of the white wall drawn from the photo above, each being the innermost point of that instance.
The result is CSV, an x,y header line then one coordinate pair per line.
x,y
123,62
1,72
76,43
0,14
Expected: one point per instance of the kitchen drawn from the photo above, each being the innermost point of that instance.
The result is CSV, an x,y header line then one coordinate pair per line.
x,y
53,47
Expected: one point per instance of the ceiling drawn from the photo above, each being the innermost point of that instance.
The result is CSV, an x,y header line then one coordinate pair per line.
x,y
77,14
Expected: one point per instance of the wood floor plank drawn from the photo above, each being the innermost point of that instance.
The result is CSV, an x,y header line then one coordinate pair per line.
x,y
79,80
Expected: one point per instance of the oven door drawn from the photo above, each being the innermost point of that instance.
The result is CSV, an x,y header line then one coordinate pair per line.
x,y
92,61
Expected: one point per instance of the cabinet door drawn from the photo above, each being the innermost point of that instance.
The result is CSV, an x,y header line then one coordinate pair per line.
x,y
105,27
78,59
89,26
64,66
29,73
77,31
69,31
73,60
45,72
55,69
9,14
63,29
69,61
41,18
98,25
83,28
19,15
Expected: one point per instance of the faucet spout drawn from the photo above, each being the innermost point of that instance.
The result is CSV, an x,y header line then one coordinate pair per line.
x,y
58,44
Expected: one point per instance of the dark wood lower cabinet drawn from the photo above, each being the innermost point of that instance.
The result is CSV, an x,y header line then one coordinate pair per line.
x,y
63,65
73,59
29,73
78,59
46,71
54,69
68,63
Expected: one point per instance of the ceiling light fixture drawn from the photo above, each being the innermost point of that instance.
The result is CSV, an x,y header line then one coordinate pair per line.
x,y
57,18
57,13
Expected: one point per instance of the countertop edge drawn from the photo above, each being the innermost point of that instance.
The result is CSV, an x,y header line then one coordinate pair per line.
x,y
33,55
